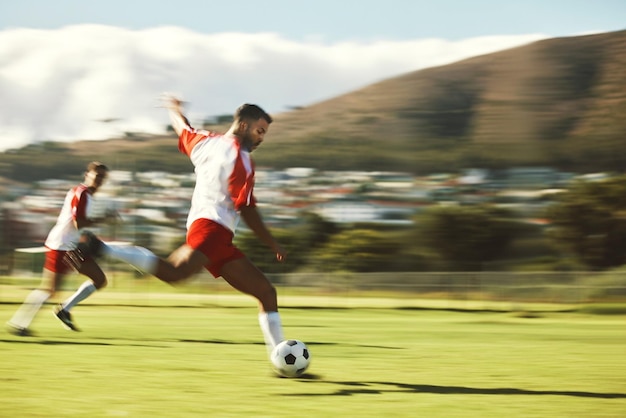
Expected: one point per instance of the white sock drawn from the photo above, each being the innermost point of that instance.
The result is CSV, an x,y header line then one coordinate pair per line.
x,y
26,313
142,258
82,293
272,329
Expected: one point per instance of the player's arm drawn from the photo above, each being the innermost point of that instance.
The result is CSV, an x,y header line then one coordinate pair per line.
x,y
252,218
175,108
81,223
84,222
81,220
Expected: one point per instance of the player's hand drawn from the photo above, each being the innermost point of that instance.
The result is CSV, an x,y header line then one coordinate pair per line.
x,y
281,254
171,102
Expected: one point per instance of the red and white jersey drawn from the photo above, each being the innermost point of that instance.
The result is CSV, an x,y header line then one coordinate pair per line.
x,y
224,176
77,205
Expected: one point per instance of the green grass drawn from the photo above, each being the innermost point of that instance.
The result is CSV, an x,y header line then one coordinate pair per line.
x,y
179,355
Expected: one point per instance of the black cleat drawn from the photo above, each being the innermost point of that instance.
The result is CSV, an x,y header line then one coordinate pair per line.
x,y
19,331
88,246
65,317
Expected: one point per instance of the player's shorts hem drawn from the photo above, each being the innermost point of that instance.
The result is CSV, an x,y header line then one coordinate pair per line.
x,y
54,262
215,241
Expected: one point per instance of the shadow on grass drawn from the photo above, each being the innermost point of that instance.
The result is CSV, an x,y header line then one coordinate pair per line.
x,y
377,388
30,340
146,342
310,344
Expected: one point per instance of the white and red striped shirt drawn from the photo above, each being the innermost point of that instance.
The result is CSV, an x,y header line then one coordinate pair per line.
x,y
77,205
224,176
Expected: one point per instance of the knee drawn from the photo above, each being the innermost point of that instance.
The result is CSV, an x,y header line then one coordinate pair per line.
x,y
268,299
177,276
98,280
268,293
273,292
170,273
101,284
184,271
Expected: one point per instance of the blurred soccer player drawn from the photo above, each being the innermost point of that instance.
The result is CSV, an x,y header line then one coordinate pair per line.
x,y
223,193
74,216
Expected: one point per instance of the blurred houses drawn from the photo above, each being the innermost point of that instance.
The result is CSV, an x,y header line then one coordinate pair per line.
x,y
153,205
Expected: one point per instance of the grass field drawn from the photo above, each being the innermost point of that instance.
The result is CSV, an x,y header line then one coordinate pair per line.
x,y
159,355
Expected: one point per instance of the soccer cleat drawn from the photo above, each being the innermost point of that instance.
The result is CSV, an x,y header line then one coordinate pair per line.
x,y
88,246
19,331
65,317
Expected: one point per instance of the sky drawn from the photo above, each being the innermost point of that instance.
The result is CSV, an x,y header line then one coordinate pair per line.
x,y
73,70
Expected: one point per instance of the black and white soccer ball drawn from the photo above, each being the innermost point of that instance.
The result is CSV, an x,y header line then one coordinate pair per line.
x,y
290,358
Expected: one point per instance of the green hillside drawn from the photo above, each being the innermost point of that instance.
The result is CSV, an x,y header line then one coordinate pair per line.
x,y
558,102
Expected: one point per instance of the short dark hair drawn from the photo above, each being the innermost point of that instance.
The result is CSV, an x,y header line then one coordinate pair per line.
x,y
251,112
96,165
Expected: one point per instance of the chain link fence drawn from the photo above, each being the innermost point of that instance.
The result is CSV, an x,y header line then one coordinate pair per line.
x,y
548,287
567,287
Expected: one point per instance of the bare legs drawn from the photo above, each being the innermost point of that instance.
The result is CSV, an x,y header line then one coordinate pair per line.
x,y
50,283
242,275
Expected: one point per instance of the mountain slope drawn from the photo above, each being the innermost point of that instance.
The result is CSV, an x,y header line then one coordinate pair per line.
x,y
544,103
559,102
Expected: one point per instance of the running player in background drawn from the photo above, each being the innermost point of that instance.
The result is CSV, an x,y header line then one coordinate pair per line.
x,y
74,216
223,193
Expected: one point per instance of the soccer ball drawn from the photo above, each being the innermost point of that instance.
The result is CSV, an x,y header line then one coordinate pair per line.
x,y
290,358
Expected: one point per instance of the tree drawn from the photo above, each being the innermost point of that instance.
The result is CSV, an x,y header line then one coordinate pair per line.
x,y
362,250
465,237
589,221
315,231
264,258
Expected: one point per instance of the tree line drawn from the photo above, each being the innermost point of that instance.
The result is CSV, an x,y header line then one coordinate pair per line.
x,y
584,229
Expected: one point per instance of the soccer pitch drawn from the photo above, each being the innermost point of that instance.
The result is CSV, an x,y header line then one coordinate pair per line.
x,y
186,356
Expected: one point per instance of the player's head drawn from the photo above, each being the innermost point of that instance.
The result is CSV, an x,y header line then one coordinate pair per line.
x,y
96,174
250,124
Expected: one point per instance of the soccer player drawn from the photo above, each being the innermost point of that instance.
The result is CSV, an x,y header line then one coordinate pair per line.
x,y
222,195
74,216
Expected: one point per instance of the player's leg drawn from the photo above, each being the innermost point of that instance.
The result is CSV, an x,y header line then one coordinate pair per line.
x,y
90,246
181,264
224,259
20,322
97,280
244,276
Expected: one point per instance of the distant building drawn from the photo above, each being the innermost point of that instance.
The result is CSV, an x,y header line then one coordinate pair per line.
x,y
532,178
364,212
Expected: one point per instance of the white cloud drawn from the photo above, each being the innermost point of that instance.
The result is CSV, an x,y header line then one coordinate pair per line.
x,y
59,84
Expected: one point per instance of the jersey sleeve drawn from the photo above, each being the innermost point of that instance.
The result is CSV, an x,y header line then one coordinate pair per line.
x,y
241,184
246,197
80,203
190,137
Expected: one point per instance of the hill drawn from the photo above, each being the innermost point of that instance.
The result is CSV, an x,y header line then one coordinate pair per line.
x,y
558,102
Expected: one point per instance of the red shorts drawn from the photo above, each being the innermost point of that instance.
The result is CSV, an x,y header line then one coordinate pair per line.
x,y
54,262
215,241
